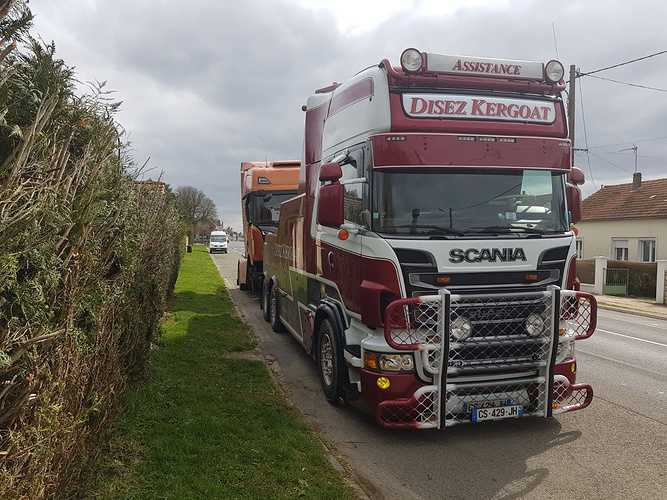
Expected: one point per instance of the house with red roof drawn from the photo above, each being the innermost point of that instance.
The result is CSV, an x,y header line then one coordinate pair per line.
x,y
625,222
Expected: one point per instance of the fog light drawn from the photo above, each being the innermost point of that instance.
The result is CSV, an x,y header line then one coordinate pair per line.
x,y
383,383
534,325
461,328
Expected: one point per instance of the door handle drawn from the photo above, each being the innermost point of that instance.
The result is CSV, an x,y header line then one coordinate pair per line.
x,y
330,259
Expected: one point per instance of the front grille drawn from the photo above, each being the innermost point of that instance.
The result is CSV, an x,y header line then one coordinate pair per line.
x,y
420,275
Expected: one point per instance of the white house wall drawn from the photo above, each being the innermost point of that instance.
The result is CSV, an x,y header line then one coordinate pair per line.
x,y
597,236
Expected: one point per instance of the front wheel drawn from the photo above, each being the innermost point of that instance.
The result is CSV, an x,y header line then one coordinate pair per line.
x,y
330,362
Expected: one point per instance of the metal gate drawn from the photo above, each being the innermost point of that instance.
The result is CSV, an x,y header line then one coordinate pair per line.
x,y
480,352
616,281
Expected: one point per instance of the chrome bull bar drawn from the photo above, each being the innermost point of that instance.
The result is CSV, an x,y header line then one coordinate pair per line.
x,y
498,350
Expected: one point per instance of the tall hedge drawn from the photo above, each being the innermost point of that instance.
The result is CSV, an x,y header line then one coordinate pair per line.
x,y
88,257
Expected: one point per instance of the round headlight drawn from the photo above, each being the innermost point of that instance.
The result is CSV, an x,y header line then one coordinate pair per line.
x,y
411,60
554,71
461,328
534,325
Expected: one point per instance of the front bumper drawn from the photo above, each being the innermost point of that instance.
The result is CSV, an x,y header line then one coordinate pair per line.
x,y
488,371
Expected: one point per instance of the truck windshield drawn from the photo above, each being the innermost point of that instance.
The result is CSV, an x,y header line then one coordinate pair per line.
x,y
458,203
264,207
218,238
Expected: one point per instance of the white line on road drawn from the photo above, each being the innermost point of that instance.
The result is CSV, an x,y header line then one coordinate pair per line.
x,y
630,337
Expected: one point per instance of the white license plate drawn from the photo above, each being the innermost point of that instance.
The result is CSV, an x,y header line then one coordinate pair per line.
x,y
496,413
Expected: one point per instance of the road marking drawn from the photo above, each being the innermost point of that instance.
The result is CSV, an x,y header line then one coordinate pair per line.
x,y
633,338
651,373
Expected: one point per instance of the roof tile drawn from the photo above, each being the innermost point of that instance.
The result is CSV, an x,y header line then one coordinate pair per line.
x,y
622,201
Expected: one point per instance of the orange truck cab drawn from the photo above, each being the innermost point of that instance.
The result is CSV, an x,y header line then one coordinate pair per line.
x,y
264,186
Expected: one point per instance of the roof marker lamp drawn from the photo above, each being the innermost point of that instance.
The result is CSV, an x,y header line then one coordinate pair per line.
x,y
554,71
411,60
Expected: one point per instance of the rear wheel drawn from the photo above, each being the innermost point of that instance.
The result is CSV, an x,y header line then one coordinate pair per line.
x,y
330,362
274,311
266,301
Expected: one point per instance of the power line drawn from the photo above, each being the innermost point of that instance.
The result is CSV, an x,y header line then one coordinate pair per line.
x,y
646,139
622,63
583,119
609,162
638,85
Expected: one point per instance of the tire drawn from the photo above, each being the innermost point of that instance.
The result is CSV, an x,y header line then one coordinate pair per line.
x,y
242,286
330,362
274,311
266,300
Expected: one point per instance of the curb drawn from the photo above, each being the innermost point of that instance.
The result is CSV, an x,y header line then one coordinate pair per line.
x,y
636,312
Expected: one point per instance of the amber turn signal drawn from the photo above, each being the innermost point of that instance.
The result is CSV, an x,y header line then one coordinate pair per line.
x,y
370,360
343,234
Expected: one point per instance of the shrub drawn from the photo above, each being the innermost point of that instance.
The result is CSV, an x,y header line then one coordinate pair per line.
x,y
88,257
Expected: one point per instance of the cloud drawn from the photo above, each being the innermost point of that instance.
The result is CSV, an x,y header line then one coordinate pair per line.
x,y
207,84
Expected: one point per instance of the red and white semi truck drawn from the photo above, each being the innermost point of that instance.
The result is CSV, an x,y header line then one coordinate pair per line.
x,y
428,260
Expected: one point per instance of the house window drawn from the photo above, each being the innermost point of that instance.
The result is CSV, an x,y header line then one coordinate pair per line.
x,y
580,249
647,250
619,249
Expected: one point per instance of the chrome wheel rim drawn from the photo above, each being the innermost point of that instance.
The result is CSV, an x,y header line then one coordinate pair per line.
x,y
326,359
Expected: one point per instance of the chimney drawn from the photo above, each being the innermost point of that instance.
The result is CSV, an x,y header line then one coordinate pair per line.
x,y
636,180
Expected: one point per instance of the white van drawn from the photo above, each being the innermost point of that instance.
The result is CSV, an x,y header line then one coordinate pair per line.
x,y
217,242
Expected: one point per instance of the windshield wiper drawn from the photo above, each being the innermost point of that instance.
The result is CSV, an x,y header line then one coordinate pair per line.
x,y
510,230
432,229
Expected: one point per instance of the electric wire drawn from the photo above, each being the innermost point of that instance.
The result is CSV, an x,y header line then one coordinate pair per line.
x,y
583,120
610,162
587,73
637,85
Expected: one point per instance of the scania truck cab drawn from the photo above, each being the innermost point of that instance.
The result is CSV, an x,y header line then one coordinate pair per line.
x,y
428,261
264,185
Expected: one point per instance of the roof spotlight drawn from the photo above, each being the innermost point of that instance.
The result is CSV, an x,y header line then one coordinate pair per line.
x,y
411,60
554,71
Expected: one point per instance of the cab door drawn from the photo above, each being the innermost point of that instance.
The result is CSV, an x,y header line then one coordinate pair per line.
x,y
341,259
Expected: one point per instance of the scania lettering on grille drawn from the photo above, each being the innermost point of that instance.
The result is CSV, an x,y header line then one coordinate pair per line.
x,y
474,255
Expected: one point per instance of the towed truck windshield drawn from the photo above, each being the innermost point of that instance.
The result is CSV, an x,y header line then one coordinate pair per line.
x,y
264,207
455,203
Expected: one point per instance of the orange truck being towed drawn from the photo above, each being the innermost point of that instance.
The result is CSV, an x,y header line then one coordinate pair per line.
x,y
264,186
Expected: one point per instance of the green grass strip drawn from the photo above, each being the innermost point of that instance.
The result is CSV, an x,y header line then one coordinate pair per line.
x,y
209,427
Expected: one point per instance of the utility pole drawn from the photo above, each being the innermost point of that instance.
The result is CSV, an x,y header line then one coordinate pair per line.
x,y
571,100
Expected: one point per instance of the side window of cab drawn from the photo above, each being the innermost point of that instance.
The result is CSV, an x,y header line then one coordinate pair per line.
x,y
355,195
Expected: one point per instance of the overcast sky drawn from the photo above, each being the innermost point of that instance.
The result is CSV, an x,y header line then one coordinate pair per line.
x,y
209,83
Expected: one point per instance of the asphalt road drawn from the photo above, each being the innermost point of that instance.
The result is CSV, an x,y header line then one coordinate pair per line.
x,y
617,448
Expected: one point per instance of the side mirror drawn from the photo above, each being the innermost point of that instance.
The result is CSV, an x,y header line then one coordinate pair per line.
x,y
330,172
574,202
330,207
576,176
